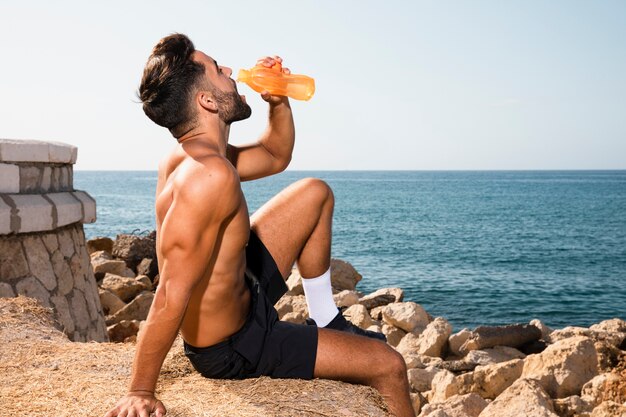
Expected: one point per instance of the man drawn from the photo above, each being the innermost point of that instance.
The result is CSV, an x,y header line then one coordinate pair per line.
x,y
220,270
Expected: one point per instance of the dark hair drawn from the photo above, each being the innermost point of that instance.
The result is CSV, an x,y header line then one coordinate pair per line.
x,y
170,79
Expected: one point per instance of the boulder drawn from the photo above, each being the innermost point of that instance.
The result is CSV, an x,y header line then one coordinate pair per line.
x,y
417,401
382,297
420,379
609,409
443,387
525,397
493,355
294,317
148,267
110,302
100,244
377,313
125,288
283,305
299,305
456,340
393,334
343,275
605,387
487,381
135,310
358,315
407,316
612,326
564,367
599,335
572,406
294,283
102,263
468,405
132,249
119,332
145,280
414,360
433,340
408,344
346,298
545,330
514,335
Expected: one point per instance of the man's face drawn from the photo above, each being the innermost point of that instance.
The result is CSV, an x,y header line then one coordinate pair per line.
x,y
232,107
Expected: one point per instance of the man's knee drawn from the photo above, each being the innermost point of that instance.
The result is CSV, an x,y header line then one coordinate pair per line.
x,y
318,189
390,363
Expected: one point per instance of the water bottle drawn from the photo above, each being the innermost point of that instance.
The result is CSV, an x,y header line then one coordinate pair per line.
x,y
260,78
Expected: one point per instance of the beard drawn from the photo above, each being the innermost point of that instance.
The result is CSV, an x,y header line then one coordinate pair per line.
x,y
231,107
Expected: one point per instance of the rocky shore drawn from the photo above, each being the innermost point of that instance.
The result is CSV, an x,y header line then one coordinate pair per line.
x,y
524,369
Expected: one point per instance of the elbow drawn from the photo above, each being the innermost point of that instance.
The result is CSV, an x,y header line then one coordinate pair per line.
x,y
283,164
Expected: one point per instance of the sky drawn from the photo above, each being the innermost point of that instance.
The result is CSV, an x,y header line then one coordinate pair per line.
x,y
400,85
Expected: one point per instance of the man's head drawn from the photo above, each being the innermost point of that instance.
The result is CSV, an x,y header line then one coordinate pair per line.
x,y
179,82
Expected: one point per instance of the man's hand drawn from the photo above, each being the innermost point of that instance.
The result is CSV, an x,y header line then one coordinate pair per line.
x,y
276,63
139,405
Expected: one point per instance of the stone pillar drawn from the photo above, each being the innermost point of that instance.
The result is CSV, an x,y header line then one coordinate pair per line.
x,y
43,252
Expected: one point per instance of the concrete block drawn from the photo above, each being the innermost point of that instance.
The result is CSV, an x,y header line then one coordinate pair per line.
x,y
5,218
34,211
89,206
12,150
29,179
46,179
68,208
9,178
61,153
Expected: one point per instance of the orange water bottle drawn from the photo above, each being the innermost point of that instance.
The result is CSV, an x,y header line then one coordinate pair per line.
x,y
260,78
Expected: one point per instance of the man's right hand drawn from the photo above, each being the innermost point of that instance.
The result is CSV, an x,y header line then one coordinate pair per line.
x,y
138,405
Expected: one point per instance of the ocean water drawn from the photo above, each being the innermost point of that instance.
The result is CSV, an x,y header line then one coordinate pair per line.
x,y
474,247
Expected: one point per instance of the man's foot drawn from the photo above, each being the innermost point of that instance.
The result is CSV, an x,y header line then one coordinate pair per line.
x,y
340,323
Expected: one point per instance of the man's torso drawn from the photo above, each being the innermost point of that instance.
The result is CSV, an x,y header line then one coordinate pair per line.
x,y
221,300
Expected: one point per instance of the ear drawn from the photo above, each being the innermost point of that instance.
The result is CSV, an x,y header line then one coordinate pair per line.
x,y
206,101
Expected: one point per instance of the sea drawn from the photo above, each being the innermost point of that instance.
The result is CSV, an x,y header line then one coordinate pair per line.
x,y
475,247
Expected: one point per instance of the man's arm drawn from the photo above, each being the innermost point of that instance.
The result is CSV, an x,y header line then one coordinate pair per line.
x,y
271,154
187,241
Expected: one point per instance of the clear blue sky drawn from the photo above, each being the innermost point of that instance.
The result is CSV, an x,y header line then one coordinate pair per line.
x,y
400,84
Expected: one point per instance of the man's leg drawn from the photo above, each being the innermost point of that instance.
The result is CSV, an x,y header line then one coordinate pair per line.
x,y
350,358
295,226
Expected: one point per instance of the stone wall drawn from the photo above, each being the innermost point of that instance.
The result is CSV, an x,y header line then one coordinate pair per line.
x,y
42,244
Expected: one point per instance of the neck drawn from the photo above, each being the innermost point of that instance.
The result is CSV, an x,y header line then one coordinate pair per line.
x,y
215,137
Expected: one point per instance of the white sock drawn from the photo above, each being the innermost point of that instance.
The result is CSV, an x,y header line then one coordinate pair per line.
x,y
319,299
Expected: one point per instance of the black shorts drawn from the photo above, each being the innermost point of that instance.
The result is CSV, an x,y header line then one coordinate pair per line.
x,y
264,345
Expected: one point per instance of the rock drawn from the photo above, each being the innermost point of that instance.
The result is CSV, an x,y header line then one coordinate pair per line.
x,y
524,398
382,297
100,244
421,361
343,275
545,330
612,326
609,356
609,409
358,315
489,336
564,367
135,310
393,334
6,290
456,340
148,267
123,330
468,405
346,298
124,287
493,355
487,381
294,317
604,387
408,344
294,283
132,249
420,379
572,406
407,316
377,313
536,346
443,387
299,305
433,340
110,302
614,338
102,264
417,400
145,281
283,305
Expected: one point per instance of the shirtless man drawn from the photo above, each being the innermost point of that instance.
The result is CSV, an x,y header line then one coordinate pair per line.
x,y
220,270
